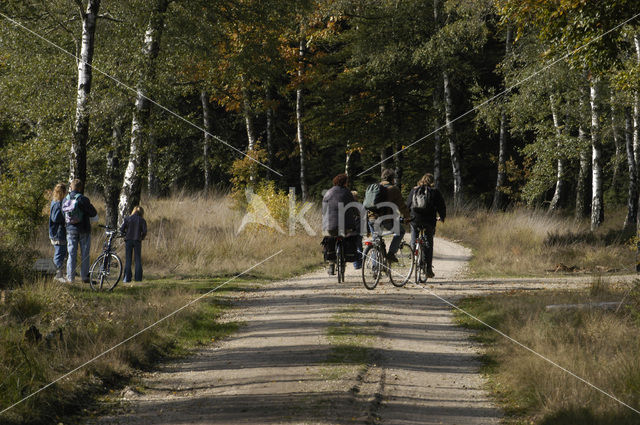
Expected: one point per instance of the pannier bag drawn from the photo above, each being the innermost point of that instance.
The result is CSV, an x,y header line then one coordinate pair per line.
x,y
349,245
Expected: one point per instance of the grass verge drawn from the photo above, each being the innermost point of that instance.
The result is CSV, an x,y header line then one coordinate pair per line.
x,y
48,329
599,346
533,242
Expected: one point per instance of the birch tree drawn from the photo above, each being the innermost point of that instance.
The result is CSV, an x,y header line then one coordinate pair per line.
x,y
78,154
132,182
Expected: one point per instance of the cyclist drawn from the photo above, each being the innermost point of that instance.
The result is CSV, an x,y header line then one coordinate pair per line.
x,y
394,196
424,216
337,199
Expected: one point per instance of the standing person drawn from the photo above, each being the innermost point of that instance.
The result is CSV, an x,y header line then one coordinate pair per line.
x,y
57,230
338,195
425,201
135,230
393,195
78,210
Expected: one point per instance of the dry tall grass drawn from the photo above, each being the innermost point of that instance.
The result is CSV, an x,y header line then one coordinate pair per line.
x,y
196,235
597,345
525,242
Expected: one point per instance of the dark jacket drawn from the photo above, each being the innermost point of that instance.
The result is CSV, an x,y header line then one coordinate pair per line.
x,y
330,209
393,195
57,231
89,211
428,218
134,228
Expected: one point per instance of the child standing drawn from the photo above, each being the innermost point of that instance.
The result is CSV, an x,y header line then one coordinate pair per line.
x,y
57,231
135,230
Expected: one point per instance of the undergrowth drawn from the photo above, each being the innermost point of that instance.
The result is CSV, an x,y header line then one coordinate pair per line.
x,y
595,344
532,242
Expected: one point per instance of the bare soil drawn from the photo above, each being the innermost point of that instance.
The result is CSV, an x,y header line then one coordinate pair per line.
x,y
313,351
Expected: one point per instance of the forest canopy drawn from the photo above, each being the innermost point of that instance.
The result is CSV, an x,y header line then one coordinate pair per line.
x,y
505,101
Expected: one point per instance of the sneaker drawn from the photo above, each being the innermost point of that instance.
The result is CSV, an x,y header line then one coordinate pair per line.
x,y
331,270
61,279
59,274
357,265
430,272
392,258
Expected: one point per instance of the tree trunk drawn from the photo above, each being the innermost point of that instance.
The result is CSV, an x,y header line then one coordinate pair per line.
x,y
454,149
597,207
383,157
269,128
111,186
397,164
558,195
132,184
300,136
636,111
78,154
616,141
437,98
498,194
208,127
582,186
632,204
248,118
152,155
347,159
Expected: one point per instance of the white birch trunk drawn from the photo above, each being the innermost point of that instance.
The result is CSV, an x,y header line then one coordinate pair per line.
x,y
558,195
78,154
248,118
582,184
132,182
632,203
617,144
437,97
299,116
208,127
597,207
454,149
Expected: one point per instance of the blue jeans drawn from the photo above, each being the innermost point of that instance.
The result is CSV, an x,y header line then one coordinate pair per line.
x,y
428,241
59,255
358,263
84,240
132,248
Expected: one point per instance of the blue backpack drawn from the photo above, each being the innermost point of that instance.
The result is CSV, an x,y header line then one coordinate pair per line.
x,y
71,209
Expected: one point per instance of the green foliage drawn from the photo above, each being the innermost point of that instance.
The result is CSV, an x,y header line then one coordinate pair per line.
x,y
31,169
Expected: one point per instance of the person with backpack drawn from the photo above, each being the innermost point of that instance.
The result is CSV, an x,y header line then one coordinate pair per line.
x,y
335,198
386,192
78,211
57,231
134,229
425,201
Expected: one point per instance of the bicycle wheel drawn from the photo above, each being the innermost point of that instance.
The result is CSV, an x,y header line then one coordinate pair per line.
x,y
400,272
420,265
105,272
339,262
371,267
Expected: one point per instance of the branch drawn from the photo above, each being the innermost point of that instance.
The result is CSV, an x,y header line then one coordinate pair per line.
x,y
80,8
109,17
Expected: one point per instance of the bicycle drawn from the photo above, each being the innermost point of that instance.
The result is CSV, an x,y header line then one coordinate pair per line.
x,y
106,271
374,262
340,261
421,275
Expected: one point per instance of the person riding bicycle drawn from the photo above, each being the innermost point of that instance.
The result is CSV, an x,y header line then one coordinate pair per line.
x,y
425,201
334,202
392,195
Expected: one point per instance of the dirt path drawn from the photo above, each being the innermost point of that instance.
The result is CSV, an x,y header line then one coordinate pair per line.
x,y
316,352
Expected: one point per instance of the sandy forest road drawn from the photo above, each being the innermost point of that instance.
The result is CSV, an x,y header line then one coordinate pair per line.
x,y
406,362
